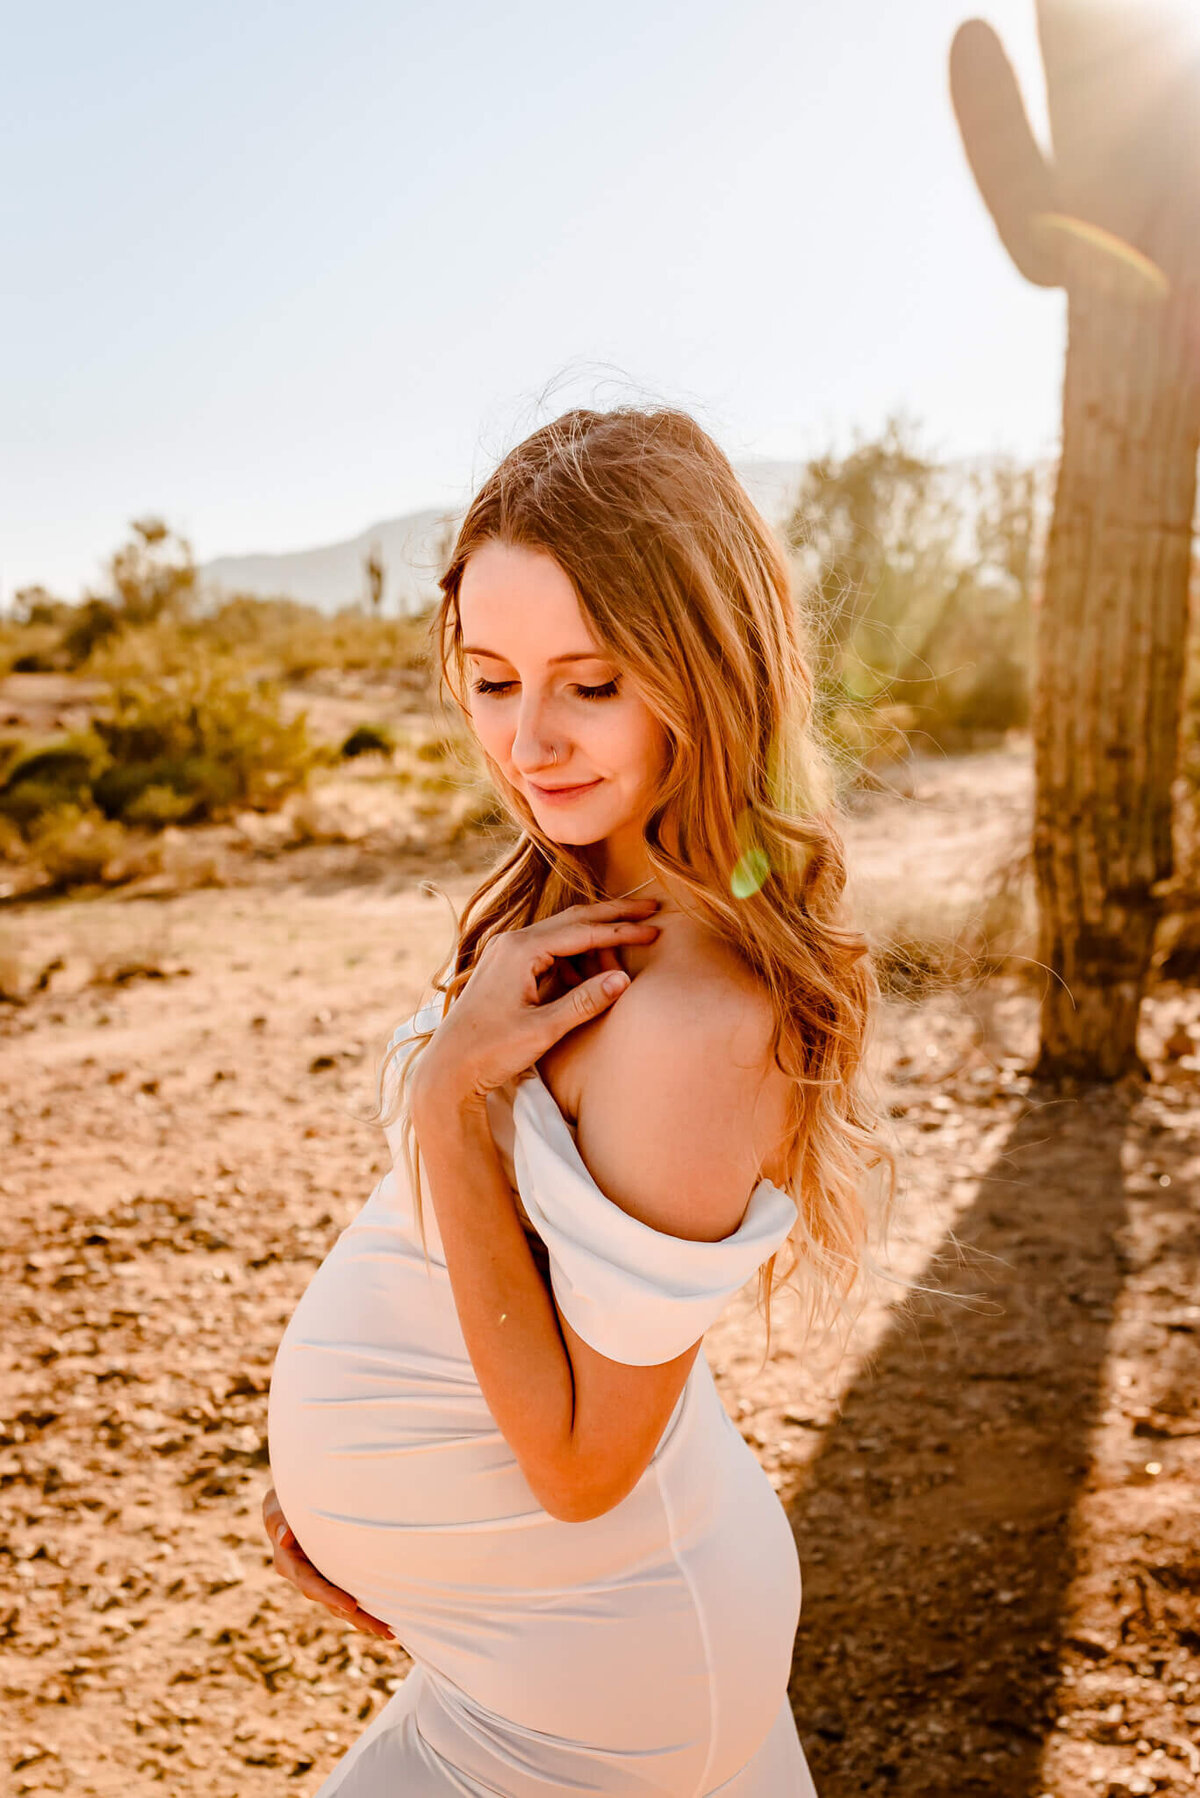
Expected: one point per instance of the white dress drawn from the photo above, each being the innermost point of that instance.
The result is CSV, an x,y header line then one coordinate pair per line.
x,y
643,1652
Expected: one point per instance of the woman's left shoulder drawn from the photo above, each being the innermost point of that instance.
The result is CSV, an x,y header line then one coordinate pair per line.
x,y
695,1032
705,983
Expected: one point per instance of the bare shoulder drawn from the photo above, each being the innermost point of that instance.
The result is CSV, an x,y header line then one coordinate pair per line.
x,y
700,992
679,1110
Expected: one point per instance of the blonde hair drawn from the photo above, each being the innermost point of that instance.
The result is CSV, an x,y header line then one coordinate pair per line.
x,y
686,587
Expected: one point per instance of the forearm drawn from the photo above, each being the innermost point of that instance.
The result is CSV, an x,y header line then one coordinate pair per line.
x,y
507,1316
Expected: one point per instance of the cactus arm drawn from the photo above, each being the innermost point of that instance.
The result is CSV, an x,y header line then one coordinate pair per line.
x,y
1017,185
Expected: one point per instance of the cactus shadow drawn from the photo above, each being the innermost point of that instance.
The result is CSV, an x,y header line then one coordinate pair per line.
x,y
934,1529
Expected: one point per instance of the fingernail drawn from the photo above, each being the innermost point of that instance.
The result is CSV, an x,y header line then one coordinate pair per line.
x,y
615,983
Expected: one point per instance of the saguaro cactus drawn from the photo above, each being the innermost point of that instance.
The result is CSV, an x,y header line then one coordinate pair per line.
x,y
1113,215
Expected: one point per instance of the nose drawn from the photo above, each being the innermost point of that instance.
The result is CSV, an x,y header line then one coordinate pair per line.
x,y
534,743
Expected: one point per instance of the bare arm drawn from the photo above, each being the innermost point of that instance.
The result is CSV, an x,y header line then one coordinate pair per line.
x,y
584,1427
508,1319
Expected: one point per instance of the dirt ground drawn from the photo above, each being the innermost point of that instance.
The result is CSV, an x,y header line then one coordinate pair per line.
x,y
994,1497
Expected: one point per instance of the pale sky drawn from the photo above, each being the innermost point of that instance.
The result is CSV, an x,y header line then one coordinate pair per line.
x,y
277,271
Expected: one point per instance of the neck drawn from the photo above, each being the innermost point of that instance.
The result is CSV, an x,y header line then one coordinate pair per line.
x,y
620,862
639,886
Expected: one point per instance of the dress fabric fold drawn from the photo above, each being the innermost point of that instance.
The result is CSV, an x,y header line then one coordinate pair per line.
x,y
643,1652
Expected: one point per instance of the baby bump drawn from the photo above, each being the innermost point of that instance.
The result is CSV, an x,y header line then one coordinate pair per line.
x,y
401,1489
375,1418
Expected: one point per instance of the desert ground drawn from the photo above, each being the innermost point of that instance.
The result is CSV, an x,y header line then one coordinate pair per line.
x,y
994,1494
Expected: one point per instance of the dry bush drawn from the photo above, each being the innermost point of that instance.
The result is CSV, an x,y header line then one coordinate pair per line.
x,y
206,738
73,845
157,651
925,942
917,579
193,748
27,648
293,642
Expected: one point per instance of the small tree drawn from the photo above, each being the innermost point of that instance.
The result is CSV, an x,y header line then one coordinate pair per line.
x,y
36,605
880,530
375,574
153,575
923,576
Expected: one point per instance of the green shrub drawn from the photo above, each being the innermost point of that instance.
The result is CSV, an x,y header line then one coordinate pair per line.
x,y
158,806
187,749
42,779
149,652
368,739
32,649
205,736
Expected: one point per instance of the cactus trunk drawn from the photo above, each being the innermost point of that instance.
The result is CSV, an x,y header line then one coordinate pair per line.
x,y
1110,638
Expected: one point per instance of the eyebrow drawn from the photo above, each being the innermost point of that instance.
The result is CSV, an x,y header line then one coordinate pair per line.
x,y
575,655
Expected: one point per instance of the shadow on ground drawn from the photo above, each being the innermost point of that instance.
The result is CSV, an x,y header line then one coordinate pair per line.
x,y
935,1528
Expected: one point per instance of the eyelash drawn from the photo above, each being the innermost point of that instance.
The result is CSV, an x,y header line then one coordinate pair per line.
x,y
607,691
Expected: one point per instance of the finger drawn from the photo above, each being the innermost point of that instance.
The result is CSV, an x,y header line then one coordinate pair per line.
x,y
372,1626
274,1521
299,1571
290,1561
558,937
315,1586
600,910
588,1000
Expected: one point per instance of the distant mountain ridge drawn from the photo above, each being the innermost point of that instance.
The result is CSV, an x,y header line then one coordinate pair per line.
x,y
334,575
410,548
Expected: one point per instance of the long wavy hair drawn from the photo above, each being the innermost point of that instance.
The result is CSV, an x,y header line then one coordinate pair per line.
x,y
687,589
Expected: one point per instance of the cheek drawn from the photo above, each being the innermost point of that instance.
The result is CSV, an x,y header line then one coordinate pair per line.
x,y
652,738
494,727
643,745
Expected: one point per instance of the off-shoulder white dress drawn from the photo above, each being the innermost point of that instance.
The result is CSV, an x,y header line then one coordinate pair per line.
x,y
646,1651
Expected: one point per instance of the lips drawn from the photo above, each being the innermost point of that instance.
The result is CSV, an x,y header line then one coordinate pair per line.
x,y
564,792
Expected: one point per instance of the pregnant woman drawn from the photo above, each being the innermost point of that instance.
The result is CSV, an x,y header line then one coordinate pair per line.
x,y
494,1436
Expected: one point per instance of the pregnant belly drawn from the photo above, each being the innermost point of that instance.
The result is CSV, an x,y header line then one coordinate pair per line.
x,y
401,1490
375,1414
388,1464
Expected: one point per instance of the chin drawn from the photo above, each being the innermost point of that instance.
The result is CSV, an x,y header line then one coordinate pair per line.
x,y
578,832
577,836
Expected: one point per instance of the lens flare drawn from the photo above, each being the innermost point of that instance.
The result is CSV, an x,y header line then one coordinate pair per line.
x,y
749,873
1100,254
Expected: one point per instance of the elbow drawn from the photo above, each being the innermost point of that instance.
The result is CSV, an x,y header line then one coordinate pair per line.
x,y
577,1507
580,1501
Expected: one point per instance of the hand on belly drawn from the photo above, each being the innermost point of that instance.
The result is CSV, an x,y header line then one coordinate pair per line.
x,y
295,1566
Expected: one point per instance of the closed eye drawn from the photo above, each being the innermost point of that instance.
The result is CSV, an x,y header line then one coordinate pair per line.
x,y
607,691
